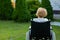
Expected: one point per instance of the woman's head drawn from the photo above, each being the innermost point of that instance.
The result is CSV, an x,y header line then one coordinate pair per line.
x,y
41,12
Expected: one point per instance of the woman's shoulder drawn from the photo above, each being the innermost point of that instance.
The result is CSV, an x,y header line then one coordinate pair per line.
x,y
46,19
40,19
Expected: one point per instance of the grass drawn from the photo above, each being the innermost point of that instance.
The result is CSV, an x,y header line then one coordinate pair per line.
x,y
10,30
57,32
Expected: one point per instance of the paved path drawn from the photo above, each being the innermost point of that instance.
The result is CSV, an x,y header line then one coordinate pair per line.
x,y
55,23
56,16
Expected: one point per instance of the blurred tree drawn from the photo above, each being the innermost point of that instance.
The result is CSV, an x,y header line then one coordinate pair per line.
x,y
46,4
33,5
21,13
5,9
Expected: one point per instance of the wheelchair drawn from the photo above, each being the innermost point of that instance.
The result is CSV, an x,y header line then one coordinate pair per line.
x,y
40,31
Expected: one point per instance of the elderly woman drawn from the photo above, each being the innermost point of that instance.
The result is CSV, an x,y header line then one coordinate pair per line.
x,y
41,14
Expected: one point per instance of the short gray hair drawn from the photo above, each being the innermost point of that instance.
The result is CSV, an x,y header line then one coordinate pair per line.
x,y
41,12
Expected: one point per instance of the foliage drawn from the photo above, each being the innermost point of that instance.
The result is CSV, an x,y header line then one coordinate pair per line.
x,y
23,10
33,5
21,13
5,9
46,4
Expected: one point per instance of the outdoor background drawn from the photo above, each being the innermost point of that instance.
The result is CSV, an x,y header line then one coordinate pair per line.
x,y
15,17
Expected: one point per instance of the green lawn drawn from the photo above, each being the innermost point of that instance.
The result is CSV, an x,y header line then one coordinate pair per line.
x,y
57,31
10,30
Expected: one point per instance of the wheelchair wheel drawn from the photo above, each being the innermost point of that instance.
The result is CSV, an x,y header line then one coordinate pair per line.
x,y
52,37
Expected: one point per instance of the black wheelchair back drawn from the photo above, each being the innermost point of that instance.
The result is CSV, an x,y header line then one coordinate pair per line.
x,y
40,30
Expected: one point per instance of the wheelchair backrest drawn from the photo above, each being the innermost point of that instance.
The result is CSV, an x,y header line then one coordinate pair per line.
x,y
40,29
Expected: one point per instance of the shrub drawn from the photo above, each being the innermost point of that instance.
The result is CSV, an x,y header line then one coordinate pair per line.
x,y
5,9
46,4
33,5
21,13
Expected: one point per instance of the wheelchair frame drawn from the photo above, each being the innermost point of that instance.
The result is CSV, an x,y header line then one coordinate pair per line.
x,y
40,30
